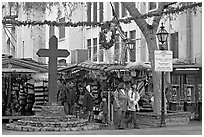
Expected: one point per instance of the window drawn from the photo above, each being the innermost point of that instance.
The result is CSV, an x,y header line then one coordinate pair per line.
x,y
152,5
89,47
51,31
174,44
62,29
94,49
116,8
101,11
132,52
117,48
124,11
95,11
89,11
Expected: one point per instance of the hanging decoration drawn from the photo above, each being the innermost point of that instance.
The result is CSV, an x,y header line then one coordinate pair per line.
x,y
87,23
107,36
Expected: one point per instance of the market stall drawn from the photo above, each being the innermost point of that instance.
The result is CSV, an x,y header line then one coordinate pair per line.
x,y
18,86
104,79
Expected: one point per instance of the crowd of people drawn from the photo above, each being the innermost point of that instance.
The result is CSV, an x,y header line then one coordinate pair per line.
x,y
125,102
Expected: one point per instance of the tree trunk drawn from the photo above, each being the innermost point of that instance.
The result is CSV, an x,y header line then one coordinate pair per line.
x,y
149,32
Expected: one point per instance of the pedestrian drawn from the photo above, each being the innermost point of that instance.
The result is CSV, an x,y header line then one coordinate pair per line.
x,y
120,106
133,98
62,96
70,97
88,104
104,110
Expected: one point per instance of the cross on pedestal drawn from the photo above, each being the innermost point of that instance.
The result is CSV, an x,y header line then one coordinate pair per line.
x,y
52,53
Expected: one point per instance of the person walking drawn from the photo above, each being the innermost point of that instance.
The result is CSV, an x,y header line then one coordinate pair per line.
x,y
70,97
120,105
88,104
62,96
104,110
133,98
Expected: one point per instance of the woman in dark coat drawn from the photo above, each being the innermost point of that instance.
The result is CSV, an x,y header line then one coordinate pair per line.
x,y
88,103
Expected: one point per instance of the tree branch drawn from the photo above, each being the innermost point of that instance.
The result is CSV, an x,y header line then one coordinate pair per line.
x,y
134,12
157,19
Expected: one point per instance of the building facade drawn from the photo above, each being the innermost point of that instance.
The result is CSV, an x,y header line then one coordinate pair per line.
x,y
101,12
24,41
70,38
185,40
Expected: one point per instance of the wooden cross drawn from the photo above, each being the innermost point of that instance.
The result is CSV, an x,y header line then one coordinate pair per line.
x,y
52,53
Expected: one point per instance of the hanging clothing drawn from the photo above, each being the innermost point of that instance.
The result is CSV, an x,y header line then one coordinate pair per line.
x,y
134,97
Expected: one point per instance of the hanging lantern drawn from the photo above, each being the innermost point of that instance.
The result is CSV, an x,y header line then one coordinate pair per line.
x,y
133,73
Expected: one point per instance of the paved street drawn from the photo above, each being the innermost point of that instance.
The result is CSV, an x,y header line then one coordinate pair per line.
x,y
194,128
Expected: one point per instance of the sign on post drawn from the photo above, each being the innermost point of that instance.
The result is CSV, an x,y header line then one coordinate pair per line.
x,y
163,60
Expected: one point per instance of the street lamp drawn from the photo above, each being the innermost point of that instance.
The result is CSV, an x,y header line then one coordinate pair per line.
x,y
130,44
162,36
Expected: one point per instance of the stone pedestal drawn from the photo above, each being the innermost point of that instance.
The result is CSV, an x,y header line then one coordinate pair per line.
x,y
173,118
52,118
54,110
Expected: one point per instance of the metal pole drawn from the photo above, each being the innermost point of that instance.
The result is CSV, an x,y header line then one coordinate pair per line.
x,y
163,123
23,48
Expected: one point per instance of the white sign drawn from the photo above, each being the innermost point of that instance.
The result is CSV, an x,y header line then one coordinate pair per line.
x,y
163,60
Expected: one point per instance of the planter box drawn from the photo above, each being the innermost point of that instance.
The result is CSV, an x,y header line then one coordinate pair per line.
x,y
172,118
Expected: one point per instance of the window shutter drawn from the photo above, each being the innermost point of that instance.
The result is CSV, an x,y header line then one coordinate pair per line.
x,y
62,29
89,11
95,12
132,52
51,31
174,44
101,11
89,47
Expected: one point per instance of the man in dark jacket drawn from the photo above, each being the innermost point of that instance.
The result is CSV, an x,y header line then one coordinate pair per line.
x,y
88,104
70,97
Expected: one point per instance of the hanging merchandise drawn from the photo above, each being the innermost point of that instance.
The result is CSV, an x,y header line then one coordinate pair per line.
x,y
133,73
126,76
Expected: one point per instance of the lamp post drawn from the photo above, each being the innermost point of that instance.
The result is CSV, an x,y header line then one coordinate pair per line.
x,y
162,36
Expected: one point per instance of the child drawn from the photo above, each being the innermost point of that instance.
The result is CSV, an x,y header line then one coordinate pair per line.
x,y
104,108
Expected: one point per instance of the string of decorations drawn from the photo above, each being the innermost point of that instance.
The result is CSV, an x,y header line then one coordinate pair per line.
x,y
94,24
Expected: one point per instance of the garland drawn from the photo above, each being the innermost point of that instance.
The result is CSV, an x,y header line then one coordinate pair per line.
x,y
94,24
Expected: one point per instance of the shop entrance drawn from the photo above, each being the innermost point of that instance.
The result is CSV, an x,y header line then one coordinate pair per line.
x,y
186,92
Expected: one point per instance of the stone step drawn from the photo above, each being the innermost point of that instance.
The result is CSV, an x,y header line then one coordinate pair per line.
x,y
76,123
90,126
65,118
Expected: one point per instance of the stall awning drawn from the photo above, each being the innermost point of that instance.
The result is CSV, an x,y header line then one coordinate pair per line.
x,y
22,65
138,65
19,70
92,66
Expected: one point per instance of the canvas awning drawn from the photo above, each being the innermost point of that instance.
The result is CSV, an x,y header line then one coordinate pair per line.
x,y
19,70
92,66
138,65
22,65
